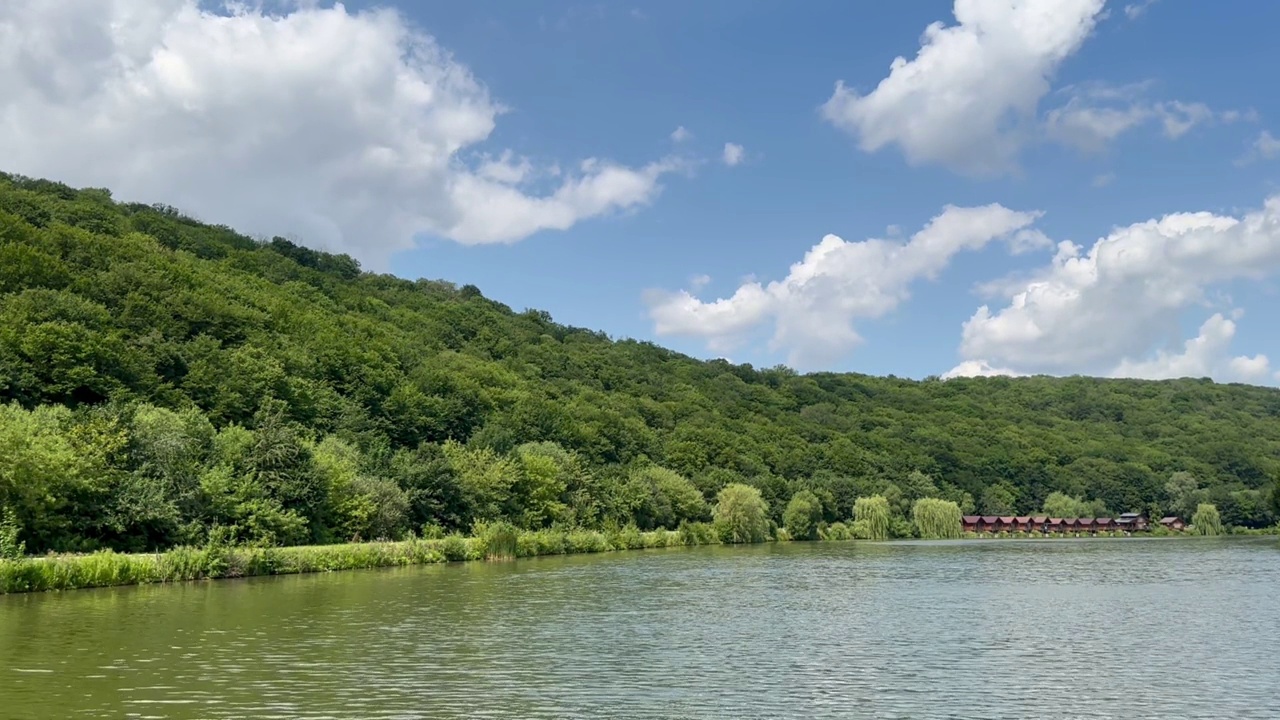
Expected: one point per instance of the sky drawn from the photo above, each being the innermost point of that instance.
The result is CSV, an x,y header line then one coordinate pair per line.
x,y
928,188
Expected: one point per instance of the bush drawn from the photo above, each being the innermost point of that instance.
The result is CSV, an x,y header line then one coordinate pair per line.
x,y
836,532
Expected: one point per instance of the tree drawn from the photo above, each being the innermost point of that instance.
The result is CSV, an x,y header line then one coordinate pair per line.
x,y
741,515
1180,493
937,519
661,498
802,516
1206,520
997,500
871,518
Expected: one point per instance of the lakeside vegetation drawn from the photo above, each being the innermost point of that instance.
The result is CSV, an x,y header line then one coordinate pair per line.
x,y
166,383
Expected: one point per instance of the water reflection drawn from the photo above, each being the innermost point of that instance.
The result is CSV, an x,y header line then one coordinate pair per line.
x,y
1059,629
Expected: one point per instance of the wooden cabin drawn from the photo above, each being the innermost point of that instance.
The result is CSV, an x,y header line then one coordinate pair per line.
x,y
1104,525
1040,523
1055,525
1023,523
1173,523
1085,524
1132,522
1069,525
971,523
1007,523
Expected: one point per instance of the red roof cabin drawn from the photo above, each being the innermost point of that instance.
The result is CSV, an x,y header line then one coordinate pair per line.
x,y
1023,523
1173,523
990,523
971,523
1007,523
1104,525
1085,524
1068,524
1055,525
1039,522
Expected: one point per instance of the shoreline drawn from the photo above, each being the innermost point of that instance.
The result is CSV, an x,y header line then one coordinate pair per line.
x,y
106,568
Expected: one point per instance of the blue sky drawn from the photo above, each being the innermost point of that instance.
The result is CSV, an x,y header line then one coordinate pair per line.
x,y
1106,117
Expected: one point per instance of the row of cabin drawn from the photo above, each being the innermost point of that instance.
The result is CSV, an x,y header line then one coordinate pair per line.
x,y
1128,522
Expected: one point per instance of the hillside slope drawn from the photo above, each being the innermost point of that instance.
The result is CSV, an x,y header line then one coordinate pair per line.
x,y
164,379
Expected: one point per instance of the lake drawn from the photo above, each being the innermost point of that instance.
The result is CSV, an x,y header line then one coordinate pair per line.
x,y
995,629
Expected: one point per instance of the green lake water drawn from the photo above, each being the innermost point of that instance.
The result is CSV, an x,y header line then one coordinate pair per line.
x,y
983,629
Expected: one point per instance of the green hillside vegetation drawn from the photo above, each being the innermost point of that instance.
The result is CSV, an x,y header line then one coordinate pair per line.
x,y
167,382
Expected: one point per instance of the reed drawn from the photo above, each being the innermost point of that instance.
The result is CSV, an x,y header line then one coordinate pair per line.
x,y
493,541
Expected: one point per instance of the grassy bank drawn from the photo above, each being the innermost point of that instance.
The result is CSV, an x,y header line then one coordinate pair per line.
x,y
103,569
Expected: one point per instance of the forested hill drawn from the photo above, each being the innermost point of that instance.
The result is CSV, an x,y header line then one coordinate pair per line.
x,y
160,378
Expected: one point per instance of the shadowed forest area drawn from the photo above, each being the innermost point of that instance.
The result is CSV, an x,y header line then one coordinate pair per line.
x,y
167,382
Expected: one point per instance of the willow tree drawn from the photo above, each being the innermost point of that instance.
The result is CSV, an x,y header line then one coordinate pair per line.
x,y
1206,521
871,518
937,519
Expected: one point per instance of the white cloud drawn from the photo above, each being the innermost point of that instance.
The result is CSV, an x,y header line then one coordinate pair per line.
x,y
1267,145
812,310
1096,114
1135,10
1104,310
733,154
968,100
1205,355
348,129
978,368
681,134
1103,180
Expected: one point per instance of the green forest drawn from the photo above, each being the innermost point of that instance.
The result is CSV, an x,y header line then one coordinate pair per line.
x,y
168,382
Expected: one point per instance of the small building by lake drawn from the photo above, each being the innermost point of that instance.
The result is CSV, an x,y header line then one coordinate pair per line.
x,y
1173,522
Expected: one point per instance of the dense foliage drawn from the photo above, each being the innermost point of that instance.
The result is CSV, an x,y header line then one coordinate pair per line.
x,y
165,381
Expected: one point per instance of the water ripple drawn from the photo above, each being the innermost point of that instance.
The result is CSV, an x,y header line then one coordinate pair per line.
x,y
1061,629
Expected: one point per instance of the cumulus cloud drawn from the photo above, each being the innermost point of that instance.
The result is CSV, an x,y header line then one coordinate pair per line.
x,y
1206,354
968,100
681,134
1103,311
733,154
350,129
978,368
812,310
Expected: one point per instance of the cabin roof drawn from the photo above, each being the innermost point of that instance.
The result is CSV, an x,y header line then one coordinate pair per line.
x,y
1170,519
1128,516
1006,518
1069,521
1023,518
1085,521
1040,519
1102,521
972,518
1055,521
989,518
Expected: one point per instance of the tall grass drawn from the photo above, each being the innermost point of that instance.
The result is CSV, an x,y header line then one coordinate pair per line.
x,y
495,541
